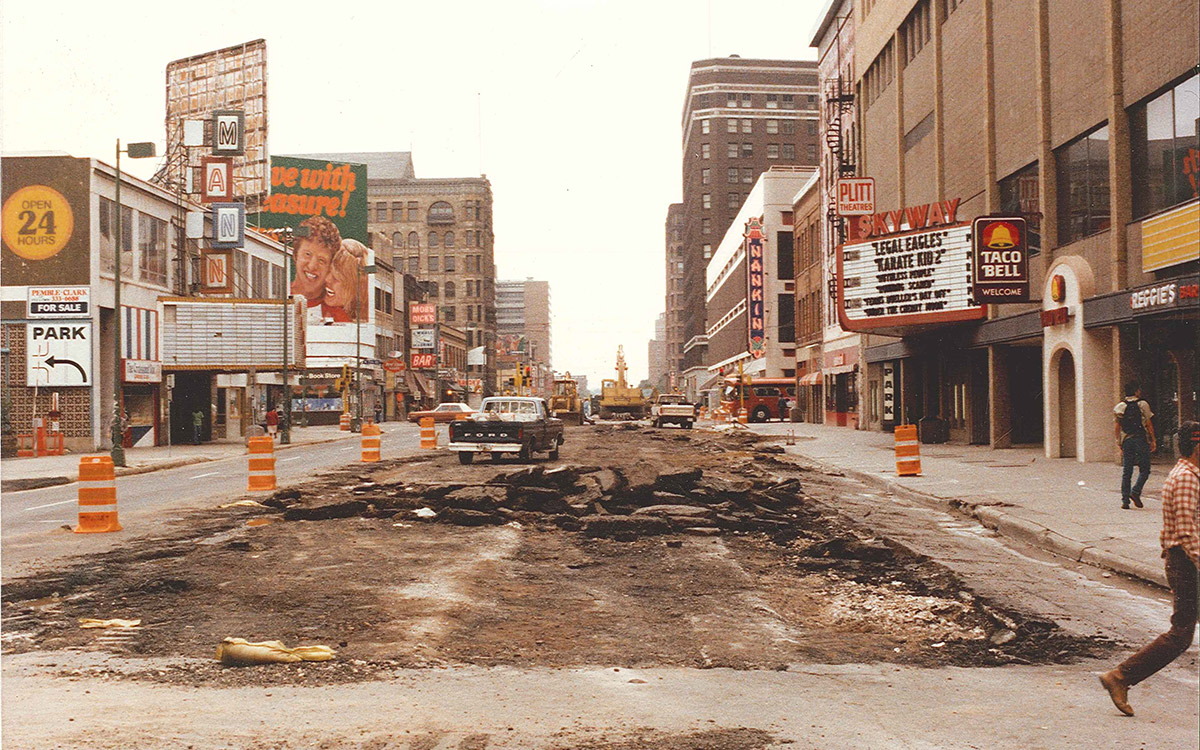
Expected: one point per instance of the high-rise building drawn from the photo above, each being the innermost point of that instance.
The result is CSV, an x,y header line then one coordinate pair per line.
x,y
674,303
656,355
740,117
523,324
441,233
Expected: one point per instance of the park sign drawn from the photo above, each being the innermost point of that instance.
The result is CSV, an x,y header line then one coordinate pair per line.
x,y
1001,259
905,268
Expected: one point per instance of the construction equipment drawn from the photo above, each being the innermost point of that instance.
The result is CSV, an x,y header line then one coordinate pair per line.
x,y
565,403
618,398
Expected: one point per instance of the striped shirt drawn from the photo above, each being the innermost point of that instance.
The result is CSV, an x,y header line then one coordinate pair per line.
x,y
1180,500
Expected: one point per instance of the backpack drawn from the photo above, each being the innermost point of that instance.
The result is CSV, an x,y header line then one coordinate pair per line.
x,y
1131,420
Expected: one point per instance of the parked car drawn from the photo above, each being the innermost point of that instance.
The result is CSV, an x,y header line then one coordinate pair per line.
x,y
507,425
443,413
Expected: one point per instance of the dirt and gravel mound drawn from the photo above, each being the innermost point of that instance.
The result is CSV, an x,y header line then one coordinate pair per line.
x,y
647,549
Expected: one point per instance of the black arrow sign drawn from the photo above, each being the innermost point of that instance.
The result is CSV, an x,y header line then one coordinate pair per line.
x,y
51,362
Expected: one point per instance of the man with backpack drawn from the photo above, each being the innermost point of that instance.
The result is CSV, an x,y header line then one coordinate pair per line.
x,y
1135,438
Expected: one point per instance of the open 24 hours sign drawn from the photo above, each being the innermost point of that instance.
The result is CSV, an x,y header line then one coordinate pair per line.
x,y
908,278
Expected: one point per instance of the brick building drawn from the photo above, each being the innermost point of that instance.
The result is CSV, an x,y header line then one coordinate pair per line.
x,y
810,290
740,117
672,338
441,232
1082,118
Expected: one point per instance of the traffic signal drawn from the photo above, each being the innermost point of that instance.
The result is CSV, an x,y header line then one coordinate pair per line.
x,y
345,373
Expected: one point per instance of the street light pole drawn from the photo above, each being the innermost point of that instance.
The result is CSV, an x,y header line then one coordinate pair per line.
x,y
285,434
135,151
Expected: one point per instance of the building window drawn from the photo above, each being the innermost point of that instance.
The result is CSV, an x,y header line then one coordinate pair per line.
x,y
735,201
278,283
433,239
788,151
448,312
747,101
787,318
449,289
703,150
441,213
731,125
1020,195
747,126
414,213
704,127
706,201
397,211
448,240
915,32
705,176
879,74
731,150
732,174
414,264
381,212
1083,186
731,99
772,101
747,175
413,242
449,263
241,274
949,6
431,288
433,262
772,127
784,255
1166,148
152,246
772,150
788,101
397,240
787,127
706,226
811,127
747,150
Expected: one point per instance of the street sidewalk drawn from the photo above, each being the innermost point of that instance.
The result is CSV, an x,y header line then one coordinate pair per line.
x,y
1069,508
44,471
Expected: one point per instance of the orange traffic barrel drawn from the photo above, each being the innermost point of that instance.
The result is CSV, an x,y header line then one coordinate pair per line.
x,y
428,433
261,464
371,442
344,424
97,496
742,418
908,451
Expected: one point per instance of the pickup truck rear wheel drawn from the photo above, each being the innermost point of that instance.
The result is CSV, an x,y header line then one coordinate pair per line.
x,y
554,451
465,457
526,452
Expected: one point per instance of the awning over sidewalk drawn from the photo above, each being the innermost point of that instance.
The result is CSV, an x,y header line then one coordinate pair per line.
x,y
813,378
416,383
712,382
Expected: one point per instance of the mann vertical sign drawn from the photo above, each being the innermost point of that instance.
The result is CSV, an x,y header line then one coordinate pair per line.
x,y
755,309
1001,262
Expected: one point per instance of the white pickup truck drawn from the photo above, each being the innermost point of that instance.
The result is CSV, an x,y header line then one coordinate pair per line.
x,y
673,408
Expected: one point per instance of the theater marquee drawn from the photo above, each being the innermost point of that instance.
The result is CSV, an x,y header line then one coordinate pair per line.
x,y
897,276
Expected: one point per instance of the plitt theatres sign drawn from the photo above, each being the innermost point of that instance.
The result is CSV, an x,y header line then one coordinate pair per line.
x,y
755,309
908,267
1001,260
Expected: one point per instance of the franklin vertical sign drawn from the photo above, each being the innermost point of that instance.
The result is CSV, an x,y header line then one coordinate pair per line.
x,y
755,309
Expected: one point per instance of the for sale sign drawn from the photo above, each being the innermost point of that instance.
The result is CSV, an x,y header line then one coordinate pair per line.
x,y
856,196
1001,260
59,302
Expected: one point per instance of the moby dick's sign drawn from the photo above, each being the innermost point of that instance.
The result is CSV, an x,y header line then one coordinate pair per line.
x,y
755,308
910,267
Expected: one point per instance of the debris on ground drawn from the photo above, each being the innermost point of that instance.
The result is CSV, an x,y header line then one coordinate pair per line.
x,y
238,652
91,622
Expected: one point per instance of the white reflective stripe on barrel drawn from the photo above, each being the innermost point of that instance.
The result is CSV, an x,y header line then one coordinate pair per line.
x,y
98,508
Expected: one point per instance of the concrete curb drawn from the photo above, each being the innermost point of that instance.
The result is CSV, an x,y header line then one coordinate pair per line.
x,y
1022,529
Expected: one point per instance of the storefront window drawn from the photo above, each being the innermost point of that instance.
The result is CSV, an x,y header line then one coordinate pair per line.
x,y
1083,205
1166,148
1020,194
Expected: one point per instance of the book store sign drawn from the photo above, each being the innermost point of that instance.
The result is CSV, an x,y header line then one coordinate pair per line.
x,y
909,267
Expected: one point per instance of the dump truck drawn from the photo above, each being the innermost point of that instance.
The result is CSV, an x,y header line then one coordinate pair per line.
x,y
565,403
618,398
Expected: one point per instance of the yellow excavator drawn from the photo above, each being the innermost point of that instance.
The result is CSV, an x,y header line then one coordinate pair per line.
x,y
565,403
618,398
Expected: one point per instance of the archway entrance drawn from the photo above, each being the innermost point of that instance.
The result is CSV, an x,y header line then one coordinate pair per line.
x,y
1066,405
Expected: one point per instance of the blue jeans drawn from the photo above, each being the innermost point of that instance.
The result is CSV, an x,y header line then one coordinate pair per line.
x,y
1135,451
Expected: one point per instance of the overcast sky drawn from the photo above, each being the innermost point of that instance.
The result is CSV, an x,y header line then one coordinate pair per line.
x,y
580,101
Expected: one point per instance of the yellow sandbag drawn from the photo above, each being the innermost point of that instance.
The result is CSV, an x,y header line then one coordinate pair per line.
x,y
91,622
238,652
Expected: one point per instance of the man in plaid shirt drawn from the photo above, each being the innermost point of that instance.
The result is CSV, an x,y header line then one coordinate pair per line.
x,y
1180,541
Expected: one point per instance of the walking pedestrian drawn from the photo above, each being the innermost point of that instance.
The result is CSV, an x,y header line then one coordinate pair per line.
x,y
1135,439
272,422
197,426
378,412
1180,540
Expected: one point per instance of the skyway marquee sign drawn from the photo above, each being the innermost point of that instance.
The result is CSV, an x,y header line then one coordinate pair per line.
x,y
908,267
